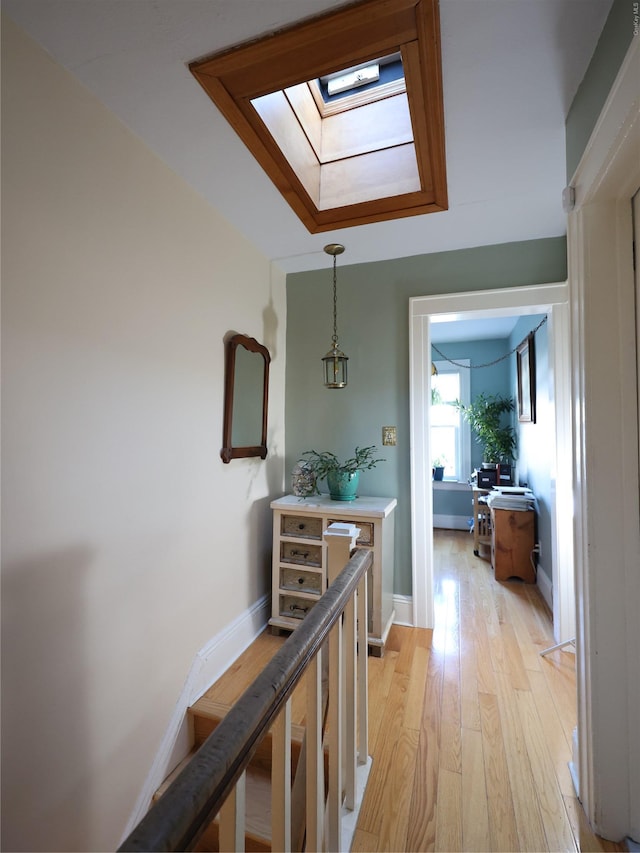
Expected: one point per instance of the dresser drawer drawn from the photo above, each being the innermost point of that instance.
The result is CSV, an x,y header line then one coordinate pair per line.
x,y
366,529
301,554
295,607
301,526
299,579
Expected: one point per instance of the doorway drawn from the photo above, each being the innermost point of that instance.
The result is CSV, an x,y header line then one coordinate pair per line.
x,y
551,299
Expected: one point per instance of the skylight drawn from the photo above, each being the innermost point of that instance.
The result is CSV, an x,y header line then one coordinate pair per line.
x,y
371,150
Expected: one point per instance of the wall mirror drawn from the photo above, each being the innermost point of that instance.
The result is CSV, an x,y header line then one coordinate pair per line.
x,y
246,394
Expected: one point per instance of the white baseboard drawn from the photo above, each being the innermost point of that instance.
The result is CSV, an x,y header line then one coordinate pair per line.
x,y
403,605
208,665
545,586
451,522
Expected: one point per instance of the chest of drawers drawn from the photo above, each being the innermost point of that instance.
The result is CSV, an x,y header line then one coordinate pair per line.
x,y
300,557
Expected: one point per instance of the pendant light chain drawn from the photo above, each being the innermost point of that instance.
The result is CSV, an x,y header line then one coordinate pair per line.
x,y
335,361
334,339
489,363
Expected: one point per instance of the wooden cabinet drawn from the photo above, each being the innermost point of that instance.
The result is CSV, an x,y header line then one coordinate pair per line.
x,y
512,543
300,557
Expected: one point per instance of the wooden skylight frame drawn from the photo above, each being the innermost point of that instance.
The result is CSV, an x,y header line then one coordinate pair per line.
x,y
398,171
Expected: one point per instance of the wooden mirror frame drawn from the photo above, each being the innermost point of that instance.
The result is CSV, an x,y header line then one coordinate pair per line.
x,y
228,451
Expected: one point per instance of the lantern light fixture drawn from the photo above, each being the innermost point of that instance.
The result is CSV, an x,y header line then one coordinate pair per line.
x,y
335,361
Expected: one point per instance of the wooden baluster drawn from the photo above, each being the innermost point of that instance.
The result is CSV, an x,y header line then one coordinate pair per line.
x,y
363,676
351,702
281,781
315,758
232,814
341,540
334,804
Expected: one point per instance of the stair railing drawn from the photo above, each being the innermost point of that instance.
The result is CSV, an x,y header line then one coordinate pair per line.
x,y
213,782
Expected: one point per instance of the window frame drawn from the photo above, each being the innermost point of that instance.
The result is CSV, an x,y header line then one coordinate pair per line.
x,y
339,39
464,431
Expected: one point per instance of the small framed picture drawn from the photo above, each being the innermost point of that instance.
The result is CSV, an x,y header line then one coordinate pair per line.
x,y
526,362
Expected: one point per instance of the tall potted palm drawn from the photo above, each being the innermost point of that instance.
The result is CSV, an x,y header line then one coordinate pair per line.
x,y
486,416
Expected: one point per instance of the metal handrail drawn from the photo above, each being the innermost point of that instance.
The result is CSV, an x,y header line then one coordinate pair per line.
x,y
194,798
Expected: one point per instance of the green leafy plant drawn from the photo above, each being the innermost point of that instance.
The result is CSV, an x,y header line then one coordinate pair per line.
x,y
486,417
324,462
439,462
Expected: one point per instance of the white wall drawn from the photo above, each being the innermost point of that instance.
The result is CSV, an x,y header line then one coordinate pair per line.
x,y
127,542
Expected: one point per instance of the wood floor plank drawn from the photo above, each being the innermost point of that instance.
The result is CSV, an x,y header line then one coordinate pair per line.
x,y
469,707
559,670
512,658
558,744
450,726
475,812
417,682
449,812
395,805
502,822
529,652
364,842
386,744
554,817
484,674
422,813
531,833
381,671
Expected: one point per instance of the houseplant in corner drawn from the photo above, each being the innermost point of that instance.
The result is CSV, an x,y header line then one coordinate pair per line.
x,y
486,417
438,465
342,477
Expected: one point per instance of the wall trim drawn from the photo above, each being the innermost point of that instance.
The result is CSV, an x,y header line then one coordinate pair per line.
x,y
208,665
403,605
545,586
451,522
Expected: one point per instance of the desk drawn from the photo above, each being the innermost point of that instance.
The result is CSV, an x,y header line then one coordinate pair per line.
x,y
481,523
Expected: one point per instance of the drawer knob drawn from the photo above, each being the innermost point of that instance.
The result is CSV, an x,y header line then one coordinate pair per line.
x,y
294,607
303,554
301,526
301,580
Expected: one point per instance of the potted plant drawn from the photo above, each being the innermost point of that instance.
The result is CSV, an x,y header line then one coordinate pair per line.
x,y
486,417
342,477
438,466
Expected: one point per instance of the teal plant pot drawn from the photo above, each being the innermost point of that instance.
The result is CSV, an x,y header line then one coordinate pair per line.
x,y
438,473
343,486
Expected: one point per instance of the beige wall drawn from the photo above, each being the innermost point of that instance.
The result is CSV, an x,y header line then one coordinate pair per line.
x,y
127,544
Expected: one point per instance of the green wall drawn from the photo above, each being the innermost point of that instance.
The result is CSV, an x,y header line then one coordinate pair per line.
x,y
373,330
605,63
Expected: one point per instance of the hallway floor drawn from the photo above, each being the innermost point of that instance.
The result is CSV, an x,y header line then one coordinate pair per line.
x,y
470,727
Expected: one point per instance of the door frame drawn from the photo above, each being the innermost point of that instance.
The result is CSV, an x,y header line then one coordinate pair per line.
x,y
550,299
605,393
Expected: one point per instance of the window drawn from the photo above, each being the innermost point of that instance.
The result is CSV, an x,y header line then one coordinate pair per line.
x,y
375,155
450,433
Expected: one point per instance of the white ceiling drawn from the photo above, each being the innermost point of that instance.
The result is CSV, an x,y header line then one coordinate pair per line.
x,y
510,71
495,328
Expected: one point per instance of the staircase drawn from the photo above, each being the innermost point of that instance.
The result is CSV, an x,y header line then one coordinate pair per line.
x,y
279,763
205,715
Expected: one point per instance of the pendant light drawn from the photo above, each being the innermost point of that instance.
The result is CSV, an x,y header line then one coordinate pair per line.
x,y
335,361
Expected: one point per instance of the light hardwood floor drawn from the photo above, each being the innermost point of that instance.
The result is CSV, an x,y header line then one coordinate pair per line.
x,y
470,728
